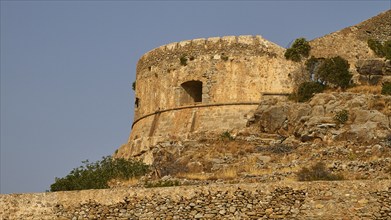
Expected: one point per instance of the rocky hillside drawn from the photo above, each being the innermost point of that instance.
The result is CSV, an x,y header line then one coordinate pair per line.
x,y
350,133
367,118
351,42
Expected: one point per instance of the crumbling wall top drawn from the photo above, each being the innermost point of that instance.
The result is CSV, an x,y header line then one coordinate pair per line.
x,y
232,45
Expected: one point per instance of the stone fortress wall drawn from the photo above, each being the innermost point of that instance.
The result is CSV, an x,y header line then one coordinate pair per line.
x,y
283,200
214,84
206,85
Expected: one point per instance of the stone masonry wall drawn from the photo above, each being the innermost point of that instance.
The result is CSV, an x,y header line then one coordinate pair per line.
x,y
233,73
285,200
231,69
176,124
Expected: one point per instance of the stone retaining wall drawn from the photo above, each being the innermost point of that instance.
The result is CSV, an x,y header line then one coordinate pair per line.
x,y
286,200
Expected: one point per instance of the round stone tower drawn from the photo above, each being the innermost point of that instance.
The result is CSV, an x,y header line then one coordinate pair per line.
x,y
203,85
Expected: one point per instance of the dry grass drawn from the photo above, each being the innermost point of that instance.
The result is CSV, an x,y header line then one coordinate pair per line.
x,y
194,176
226,174
258,172
249,167
377,104
365,89
289,169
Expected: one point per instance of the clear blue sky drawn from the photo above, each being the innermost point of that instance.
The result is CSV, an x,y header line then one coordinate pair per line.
x,y
67,68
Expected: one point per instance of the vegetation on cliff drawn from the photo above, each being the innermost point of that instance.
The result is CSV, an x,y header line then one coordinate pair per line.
x,y
299,49
386,89
96,175
321,73
307,89
380,49
334,71
341,117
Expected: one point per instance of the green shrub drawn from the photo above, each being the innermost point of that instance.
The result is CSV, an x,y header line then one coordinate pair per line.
x,y
292,54
183,60
387,49
311,63
162,183
300,48
380,49
312,66
226,136
376,46
341,117
386,88
96,175
335,71
307,89
317,172
134,85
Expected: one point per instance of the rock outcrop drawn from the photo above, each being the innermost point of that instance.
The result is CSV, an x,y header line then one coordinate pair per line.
x,y
374,71
368,117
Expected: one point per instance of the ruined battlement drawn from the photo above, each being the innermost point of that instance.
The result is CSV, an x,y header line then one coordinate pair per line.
x,y
237,45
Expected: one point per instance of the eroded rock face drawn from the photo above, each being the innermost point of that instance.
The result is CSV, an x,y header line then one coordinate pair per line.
x,y
368,117
273,119
370,66
371,71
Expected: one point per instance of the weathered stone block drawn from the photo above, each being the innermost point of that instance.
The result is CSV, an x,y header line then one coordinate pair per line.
x,y
370,66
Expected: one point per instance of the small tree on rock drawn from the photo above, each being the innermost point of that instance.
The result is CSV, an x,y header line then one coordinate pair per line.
x,y
300,48
334,71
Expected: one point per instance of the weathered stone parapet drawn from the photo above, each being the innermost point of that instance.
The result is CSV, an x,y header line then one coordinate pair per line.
x,y
233,45
284,200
